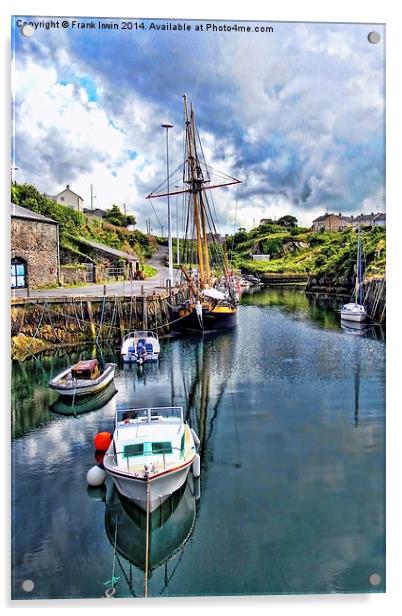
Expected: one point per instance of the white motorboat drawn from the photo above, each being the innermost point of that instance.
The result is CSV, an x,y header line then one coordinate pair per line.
x,y
83,378
140,346
151,454
353,312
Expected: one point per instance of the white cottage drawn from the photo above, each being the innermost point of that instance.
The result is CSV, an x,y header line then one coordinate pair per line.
x,y
69,198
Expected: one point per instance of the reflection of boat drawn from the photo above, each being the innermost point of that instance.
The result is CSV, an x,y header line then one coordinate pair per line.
x,y
355,311
355,327
84,404
150,454
83,378
140,346
203,258
170,526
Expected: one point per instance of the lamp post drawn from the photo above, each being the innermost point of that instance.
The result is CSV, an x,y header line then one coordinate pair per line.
x,y
13,174
170,247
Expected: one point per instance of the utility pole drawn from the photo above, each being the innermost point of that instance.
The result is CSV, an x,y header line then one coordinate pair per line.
x,y
125,209
166,125
92,197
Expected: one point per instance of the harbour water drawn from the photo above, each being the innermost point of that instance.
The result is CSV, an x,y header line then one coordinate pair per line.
x,y
290,411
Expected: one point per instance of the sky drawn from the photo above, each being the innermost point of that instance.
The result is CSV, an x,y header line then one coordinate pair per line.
x,y
297,114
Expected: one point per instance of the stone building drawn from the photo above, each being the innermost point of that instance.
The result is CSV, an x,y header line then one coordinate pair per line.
x,y
331,222
35,260
97,212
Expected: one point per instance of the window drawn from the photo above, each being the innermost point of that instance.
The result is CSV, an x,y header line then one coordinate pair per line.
x,y
61,198
165,447
18,273
136,449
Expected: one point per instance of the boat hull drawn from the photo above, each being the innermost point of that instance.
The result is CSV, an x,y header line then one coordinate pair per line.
x,y
356,318
160,487
211,321
74,390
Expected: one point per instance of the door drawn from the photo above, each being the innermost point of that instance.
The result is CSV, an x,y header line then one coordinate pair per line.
x,y
19,274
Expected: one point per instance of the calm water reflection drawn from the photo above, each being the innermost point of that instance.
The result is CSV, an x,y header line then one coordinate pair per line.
x,y
290,410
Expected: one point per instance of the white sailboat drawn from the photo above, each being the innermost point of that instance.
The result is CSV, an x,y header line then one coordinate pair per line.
x,y
356,311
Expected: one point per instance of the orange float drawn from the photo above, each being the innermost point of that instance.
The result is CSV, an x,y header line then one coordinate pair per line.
x,y
102,441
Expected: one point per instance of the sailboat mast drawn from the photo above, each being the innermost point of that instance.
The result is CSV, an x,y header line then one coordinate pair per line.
x,y
359,269
192,177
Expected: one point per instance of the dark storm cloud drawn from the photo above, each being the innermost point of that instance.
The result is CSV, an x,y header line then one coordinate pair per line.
x,y
298,115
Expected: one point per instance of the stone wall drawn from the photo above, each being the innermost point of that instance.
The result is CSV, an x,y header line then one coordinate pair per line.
x,y
37,243
73,274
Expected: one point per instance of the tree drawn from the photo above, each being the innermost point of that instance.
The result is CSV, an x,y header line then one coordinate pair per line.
x,y
287,221
116,217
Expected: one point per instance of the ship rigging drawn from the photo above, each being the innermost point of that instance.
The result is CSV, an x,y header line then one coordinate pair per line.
x,y
203,256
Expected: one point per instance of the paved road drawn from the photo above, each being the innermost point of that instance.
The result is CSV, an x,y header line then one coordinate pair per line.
x,y
126,287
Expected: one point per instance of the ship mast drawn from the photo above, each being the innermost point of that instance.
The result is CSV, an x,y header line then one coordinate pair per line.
x,y
196,183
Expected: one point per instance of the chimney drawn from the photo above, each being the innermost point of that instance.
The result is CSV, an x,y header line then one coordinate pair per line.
x,y
68,186
351,216
340,214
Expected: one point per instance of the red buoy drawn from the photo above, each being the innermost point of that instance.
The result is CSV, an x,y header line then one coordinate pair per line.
x,y
102,441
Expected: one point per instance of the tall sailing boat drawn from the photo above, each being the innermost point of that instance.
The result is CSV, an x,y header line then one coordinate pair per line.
x,y
355,311
204,264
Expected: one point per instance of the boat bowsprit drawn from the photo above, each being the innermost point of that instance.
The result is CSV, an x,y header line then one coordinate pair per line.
x,y
151,454
83,379
140,346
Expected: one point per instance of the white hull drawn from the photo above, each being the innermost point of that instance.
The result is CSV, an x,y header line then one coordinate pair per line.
x,y
82,388
357,318
160,487
353,312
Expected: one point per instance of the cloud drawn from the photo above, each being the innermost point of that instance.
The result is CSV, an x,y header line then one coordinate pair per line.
x,y
298,114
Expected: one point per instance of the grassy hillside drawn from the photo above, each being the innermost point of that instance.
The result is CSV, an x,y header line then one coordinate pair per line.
x,y
294,250
75,225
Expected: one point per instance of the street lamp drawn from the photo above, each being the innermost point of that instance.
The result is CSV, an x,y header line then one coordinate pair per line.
x,y
13,174
170,247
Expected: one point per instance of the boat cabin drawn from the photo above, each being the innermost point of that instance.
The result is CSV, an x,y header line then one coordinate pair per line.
x,y
88,370
166,414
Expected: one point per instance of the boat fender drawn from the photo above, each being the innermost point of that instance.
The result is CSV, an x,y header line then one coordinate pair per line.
x,y
195,439
196,468
102,441
196,488
96,476
198,312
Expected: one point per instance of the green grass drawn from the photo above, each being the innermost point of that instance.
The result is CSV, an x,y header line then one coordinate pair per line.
x,y
330,255
150,271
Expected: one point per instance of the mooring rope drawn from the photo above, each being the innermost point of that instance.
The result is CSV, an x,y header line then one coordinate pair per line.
x,y
101,321
111,584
